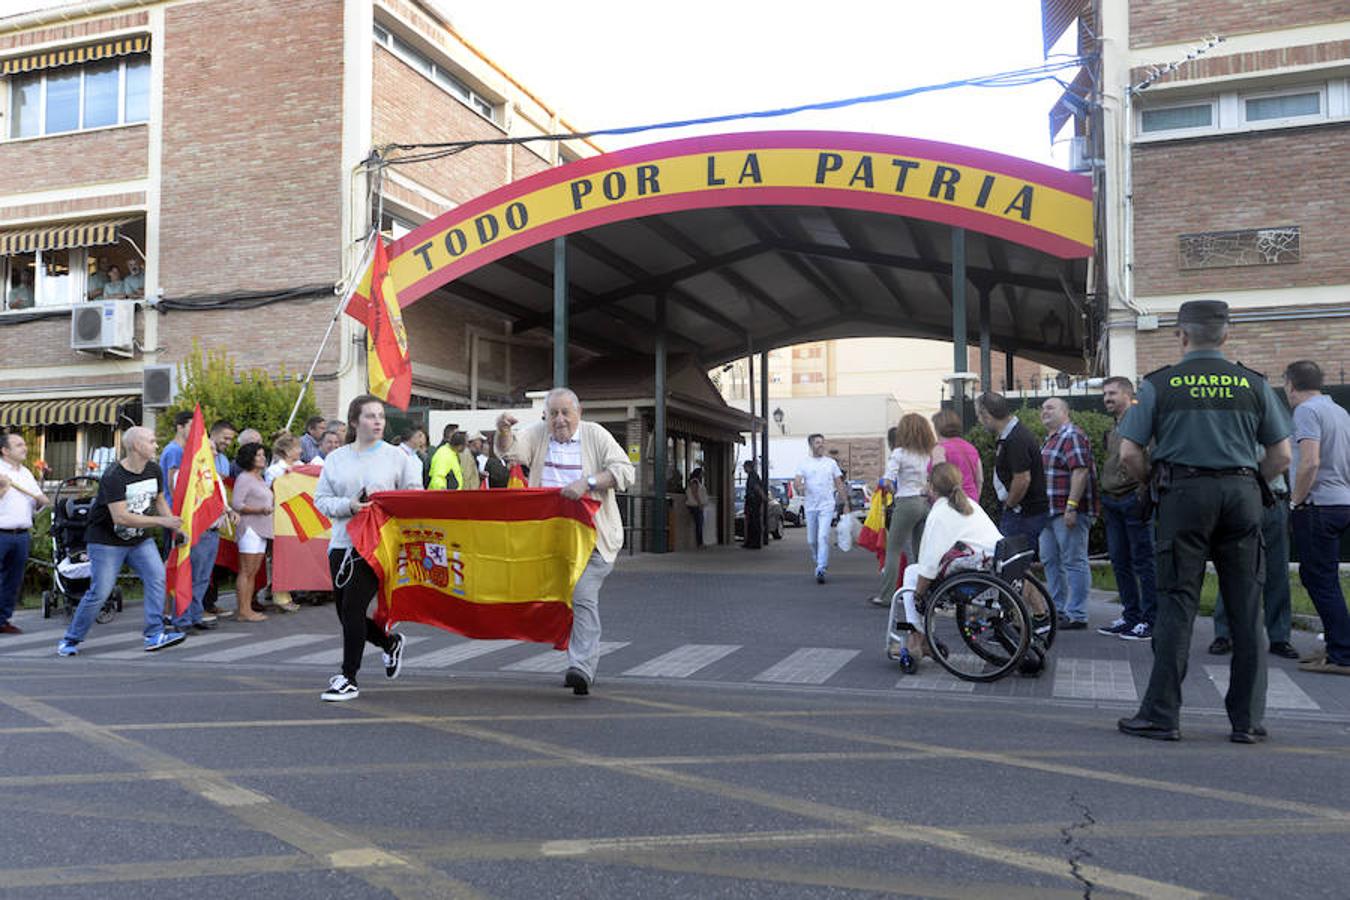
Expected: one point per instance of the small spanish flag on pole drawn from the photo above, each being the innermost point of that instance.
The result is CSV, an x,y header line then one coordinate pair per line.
x,y
197,498
388,368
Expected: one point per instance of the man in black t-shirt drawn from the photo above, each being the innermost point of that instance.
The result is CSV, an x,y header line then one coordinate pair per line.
x,y
1019,477
128,506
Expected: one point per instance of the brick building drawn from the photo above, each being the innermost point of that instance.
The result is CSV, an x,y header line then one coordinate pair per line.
x,y
218,144
1225,175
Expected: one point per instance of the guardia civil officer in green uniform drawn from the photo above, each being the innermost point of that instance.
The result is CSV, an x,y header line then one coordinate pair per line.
x,y
1207,416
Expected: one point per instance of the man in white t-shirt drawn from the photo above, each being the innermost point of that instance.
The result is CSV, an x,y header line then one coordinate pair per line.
x,y
821,482
20,498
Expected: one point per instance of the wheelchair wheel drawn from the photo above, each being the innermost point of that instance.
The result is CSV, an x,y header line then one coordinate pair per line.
x,y
977,626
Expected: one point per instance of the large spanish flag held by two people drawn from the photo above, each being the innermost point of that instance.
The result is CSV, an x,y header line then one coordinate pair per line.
x,y
198,500
299,533
485,564
388,366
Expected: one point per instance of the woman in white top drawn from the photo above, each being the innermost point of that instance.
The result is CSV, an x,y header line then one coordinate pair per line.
x,y
953,518
285,455
906,474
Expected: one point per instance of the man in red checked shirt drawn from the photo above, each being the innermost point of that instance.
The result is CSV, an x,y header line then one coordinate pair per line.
x,y
1071,487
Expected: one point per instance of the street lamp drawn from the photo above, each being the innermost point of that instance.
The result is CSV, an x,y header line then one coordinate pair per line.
x,y
778,419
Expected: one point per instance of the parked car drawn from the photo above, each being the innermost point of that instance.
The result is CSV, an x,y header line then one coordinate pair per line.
x,y
786,491
775,513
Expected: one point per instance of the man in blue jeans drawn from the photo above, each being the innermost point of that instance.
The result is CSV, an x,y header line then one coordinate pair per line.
x,y
1320,498
1071,488
118,532
1129,536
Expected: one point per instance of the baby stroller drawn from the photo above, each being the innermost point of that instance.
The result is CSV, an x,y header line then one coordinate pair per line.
x,y
71,572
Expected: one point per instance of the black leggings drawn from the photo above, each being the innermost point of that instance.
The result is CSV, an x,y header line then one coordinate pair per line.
x,y
353,599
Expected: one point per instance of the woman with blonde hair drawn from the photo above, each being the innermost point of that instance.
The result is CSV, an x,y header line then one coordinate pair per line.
x,y
954,517
906,472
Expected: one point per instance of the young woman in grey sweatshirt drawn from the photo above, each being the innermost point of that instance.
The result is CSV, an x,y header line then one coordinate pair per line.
x,y
351,473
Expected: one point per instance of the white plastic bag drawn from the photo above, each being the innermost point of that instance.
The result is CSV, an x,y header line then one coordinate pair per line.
x,y
845,532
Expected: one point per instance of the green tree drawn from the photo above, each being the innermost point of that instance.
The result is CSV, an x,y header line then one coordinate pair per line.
x,y
1094,424
250,399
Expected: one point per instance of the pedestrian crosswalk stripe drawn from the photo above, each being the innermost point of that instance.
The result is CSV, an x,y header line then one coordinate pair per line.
x,y
932,677
683,661
262,647
448,656
809,665
123,638
1281,692
1094,679
556,660
12,641
193,642
333,655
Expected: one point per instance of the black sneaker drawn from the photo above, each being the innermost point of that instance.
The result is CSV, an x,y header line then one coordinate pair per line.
x,y
1072,625
1141,632
577,681
1284,649
1119,626
1221,646
393,657
340,689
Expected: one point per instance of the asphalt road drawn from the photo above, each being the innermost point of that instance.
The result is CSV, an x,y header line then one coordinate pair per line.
x,y
746,738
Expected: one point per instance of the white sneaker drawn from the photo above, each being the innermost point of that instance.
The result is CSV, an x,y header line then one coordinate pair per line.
x,y
340,689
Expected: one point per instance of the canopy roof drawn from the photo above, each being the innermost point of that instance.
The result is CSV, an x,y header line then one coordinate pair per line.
x,y
769,239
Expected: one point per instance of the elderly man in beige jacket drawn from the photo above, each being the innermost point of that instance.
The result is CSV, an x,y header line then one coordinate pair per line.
x,y
580,458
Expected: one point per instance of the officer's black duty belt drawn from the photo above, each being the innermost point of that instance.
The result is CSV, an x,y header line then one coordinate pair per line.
x,y
1194,472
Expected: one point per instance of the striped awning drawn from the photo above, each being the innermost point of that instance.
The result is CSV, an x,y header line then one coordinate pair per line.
x,y
89,233
69,56
85,411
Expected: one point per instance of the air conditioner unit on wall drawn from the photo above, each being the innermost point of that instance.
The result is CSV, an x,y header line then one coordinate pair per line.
x,y
160,386
103,325
1080,155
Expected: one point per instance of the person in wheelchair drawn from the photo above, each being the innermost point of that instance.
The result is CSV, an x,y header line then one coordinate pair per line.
x,y
953,519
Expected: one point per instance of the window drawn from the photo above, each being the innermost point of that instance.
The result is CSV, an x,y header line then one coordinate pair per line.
x,y
137,90
63,101
80,97
68,275
436,72
1176,118
1282,106
25,103
100,95
45,278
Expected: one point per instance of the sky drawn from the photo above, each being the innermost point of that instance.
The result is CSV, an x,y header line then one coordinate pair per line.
x,y
605,63
608,63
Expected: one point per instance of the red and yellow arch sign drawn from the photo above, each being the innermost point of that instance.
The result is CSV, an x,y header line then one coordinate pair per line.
x,y
1038,206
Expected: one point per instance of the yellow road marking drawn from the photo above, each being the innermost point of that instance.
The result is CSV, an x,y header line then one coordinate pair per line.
x,y
1000,759
945,839
315,837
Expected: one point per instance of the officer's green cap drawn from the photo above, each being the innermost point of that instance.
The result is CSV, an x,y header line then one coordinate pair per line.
x,y
1202,312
